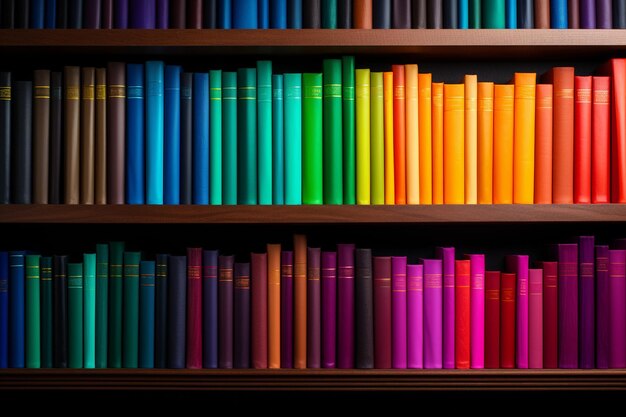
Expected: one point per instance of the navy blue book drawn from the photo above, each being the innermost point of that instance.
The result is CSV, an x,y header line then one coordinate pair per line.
x,y
278,14
381,14
75,14
16,309
558,14
59,313
450,14
50,14
176,312
525,14
209,14
294,14
154,131
171,168
245,14
147,270
135,134
200,138
37,11
160,315
4,309
186,138
209,309
120,10
264,14
225,14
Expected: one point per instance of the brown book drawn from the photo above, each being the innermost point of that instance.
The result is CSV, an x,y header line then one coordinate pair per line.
x,y
101,137
177,14
87,140
71,109
362,14
194,14
41,135
573,14
116,130
299,278
542,14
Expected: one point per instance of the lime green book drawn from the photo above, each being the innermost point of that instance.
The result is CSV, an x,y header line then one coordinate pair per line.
x,y
333,153
75,314
116,291
102,300
89,305
362,93
33,312
229,137
349,127
264,109
312,165
293,138
377,138
215,137
130,351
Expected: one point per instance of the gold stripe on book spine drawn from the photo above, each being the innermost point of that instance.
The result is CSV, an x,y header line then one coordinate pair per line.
x,y
583,95
601,96
5,93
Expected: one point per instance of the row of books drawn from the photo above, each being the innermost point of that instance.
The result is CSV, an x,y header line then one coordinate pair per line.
x,y
308,308
313,14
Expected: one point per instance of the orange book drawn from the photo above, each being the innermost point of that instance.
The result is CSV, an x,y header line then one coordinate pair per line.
x,y
485,143
524,138
299,302
362,14
453,144
273,305
471,139
390,193
412,136
503,144
543,144
399,133
437,126
425,138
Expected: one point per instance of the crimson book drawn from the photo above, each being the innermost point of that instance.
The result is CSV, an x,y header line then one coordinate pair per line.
x,y
507,321
194,308
462,314
210,296
492,319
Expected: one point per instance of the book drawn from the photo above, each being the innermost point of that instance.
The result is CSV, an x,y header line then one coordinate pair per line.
x,y
412,134
415,323
225,313
603,307
333,127
312,139
542,14
485,143
349,129
299,302
194,309
567,256
74,14
176,310
419,14
32,307
311,14
313,305
424,84
7,15
507,321
263,14
398,312
241,316
273,305
503,134
600,140
89,309
558,14
278,14
116,291
278,140
362,18
177,14
399,133
264,131
471,139
535,318
525,14
41,135
329,309
493,14
162,14
215,138
155,114
400,14
518,265
435,19
433,313
91,14
586,302
135,135
582,138
100,150
5,137
245,14
75,314
453,144
116,129
209,305
4,310
524,138
492,319
477,311
619,13
329,14
142,14
59,316
463,14
229,137
543,144
161,311
56,137
344,14
120,19
186,139
200,159
147,271
224,14
462,320
550,314
130,334
36,18
364,315
47,310
21,165
16,309
573,14
293,138
510,14
345,306
258,310
286,311
172,135
363,136
475,14
450,14
390,191
87,135
381,14
294,14
448,270
617,326
382,312
587,14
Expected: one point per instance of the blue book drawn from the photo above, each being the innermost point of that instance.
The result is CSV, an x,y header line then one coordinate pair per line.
x,y
278,141
278,14
224,14
4,309
200,138
215,137
147,270
463,14
51,14
558,14
264,14
135,134
511,14
16,309
37,12
171,167
245,14
294,14
154,132
209,309
186,138
176,311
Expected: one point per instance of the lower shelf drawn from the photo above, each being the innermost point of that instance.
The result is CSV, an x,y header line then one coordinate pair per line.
x,y
318,380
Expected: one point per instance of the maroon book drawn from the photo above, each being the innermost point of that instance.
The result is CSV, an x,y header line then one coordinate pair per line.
x,y
382,312
313,326
329,309
258,288
345,303
286,309
507,321
550,315
194,308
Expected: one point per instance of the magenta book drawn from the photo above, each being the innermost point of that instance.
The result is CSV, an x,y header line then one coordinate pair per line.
x,y
447,257
398,312
433,302
603,307
329,309
567,256
194,308
345,306
382,312
617,302
586,302
518,264
477,311
415,322
535,318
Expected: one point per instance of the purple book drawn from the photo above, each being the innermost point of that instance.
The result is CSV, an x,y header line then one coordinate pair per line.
x,y
587,10
398,312
120,9
603,307
329,309
91,14
604,14
225,314
415,326
313,314
142,14
535,318
617,303
447,257
107,14
567,257
586,304
345,309
286,309
518,264
162,14
241,322
433,299
477,310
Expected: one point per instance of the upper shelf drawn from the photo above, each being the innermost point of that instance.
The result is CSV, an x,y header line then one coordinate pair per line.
x,y
440,43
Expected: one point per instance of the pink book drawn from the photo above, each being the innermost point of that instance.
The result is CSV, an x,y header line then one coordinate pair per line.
x,y
447,258
415,326
518,264
617,302
398,312
194,308
477,311
535,318
433,341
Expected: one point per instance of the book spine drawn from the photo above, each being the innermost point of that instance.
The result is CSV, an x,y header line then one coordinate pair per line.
x,y
603,308
462,314
229,137
91,14
437,131
278,140
412,134
477,311
245,14
162,14
312,139
263,14
147,271
258,309
5,137
75,314
264,131
100,176
74,14
333,126
550,315
294,14
225,313
46,310
21,164
120,19
524,138
419,14
619,13
381,14
493,14
155,114
485,143
278,14
194,14
525,14
364,316
329,309
286,311
390,191
215,138
492,319
87,138
503,134
89,313
604,19
433,318
32,294
209,14
241,316
398,312
135,131
177,14
200,153
161,311
8,14
587,14
116,129
450,14
425,138
448,270
344,14
209,308
617,326
4,310
507,321
400,14
510,14
345,306
246,136
50,14
55,151
543,144
59,318
41,136
582,139
116,289
518,264
313,325
329,14
293,139
273,306
176,302
299,304
194,308
224,14
16,309
568,305
362,14
453,143
349,129
535,319
415,309
471,139
172,135
573,14
435,14
600,141
130,335
382,312
142,14
542,14
586,304
363,130
558,14
399,133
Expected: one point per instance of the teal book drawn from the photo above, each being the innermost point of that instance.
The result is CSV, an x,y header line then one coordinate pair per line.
x,y
46,311
264,108
130,350
293,138
493,14
116,287
312,162
102,299
333,153
229,137
246,136
349,131
75,314
278,141
474,14
147,271
215,137
329,14
33,312
89,306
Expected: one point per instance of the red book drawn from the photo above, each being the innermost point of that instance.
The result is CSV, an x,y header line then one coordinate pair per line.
x,y
492,319
399,125
600,140
258,310
382,312
194,308
550,315
507,321
462,314
582,140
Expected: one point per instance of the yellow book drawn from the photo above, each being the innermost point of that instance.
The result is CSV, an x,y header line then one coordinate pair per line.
x,y
471,139
412,135
377,140
524,138
390,192
425,138
453,144
362,90
437,143
485,143
503,144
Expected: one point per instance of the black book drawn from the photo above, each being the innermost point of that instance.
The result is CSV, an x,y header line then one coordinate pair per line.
x,y
59,311
75,14
176,314
401,14
61,14
5,137
344,14
435,12
7,14
525,14
55,181
209,14
619,14
160,317
450,14
22,15
311,14
364,300
419,14
381,10
21,141
186,138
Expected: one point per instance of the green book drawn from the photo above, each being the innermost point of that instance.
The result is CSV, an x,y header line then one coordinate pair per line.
x,y
474,14
312,164
229,139
377,139
116,268
102,299
46,311
215,137
493,15
264,103
278,141
246,136
33,313
333,174
75,314
329,14
130,350
293,138
349,146
89,306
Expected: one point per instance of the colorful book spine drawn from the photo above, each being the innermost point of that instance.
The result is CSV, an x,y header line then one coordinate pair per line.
x,y
582,138
130,337
382,312
424,84
463,14
135,132
299,277
171,135
46,310
503,136
543,144
433,317
349,129
32,306
329,309
518,264
412,134
415,322
75,314
600,141
453,143
535,318
258,310
176,312
437,100
550,315
477,311
210,313
363,131
89,309
510,14
245,14
399,133
161,311
398,312
241,316
293,138
586,302
333,127
567,255
286,311
147,271
278,14
224,14
273,306
278,140
485,143
462,314
587,14
16,309
390,191
312,139
264,14
446,255
229,137
524,138
264,130
225,313
294,14
507,321
377,139
603,307
116,290
313,325
194,308
492,319
617,326
200,138
155,114
471,139
364,317
59,319
345,306
4,310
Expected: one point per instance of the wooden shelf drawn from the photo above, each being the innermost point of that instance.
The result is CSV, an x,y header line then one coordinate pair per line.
x,y
442,43
129,214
